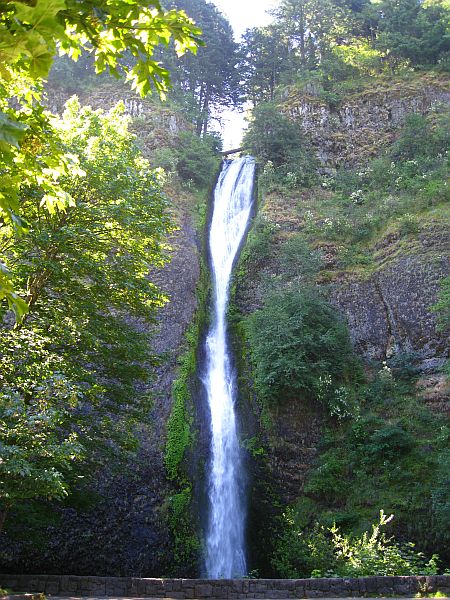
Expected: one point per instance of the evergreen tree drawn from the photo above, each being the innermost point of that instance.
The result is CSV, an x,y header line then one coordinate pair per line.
x,y
264,55
212,78
412,31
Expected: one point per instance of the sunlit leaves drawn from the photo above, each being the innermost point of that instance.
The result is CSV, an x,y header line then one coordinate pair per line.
x,y
60,200
15,303
73,364
122,36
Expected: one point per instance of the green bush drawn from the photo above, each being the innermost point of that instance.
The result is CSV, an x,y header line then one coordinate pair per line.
x,y
298,259
299,345
258,246
166,158
280,148
328,552
198,159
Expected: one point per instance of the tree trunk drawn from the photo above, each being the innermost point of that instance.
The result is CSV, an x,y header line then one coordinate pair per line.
x,y
302,38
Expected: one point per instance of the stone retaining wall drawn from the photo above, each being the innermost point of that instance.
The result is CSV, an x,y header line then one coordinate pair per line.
x,y
72,585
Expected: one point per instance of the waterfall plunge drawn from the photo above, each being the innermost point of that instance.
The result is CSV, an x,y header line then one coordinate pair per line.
x,y
225,544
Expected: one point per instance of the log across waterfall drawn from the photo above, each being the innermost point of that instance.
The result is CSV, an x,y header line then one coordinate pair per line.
x,y
225,534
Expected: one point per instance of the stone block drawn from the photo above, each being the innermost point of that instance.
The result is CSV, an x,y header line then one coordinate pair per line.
x,y
299,591
29,584
153,587
236,586
52,587
442,583
430,583
203,590
275,594
257,586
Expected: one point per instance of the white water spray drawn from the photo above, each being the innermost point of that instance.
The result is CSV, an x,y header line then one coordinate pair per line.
x,y
225,543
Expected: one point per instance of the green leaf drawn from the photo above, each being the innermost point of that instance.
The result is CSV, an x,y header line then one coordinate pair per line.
x,y
42,14
11,132
58,200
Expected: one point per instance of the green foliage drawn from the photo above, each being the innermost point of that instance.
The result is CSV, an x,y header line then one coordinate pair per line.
x,y
31,34
179,436
258,246
36,402
72,368
179,440
390,193
198,158
122,38
300,346
166,159
297,259
419,141
187,544
279,146
210,79
300,554
263,52
326,47
414,32
327,552
394,452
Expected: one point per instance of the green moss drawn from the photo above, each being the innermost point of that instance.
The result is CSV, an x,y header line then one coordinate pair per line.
x,y
179,426
181,432
186,540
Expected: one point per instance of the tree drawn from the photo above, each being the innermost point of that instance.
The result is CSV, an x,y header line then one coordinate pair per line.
x,y
413,31
122,36
36,399
312,27
211,78
264,53
298,345
275,140
68,387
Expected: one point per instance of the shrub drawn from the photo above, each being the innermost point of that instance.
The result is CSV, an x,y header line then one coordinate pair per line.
x,y
296,341
328,552
300,553
258,246
279,145
298,259
166,158
198,158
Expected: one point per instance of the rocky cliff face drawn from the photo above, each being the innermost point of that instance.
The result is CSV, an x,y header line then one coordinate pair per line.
x,y
389,311
355,130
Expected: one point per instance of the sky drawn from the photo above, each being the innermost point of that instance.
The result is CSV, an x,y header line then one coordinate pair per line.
x,y
242,14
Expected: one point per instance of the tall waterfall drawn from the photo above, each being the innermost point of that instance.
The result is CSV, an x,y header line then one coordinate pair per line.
x,y
225,543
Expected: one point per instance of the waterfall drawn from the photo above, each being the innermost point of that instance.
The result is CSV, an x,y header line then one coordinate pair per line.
x,y
225,543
